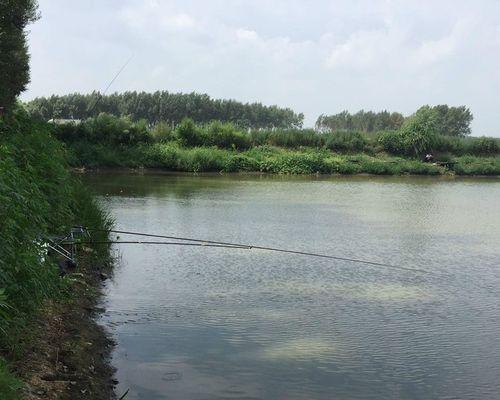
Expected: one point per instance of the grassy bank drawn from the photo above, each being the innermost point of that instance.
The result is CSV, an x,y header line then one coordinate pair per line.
x,y
38,197
269,159
108,141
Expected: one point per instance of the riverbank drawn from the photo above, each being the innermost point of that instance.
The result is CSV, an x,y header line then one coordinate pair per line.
x,y
50,343
269,159
69,356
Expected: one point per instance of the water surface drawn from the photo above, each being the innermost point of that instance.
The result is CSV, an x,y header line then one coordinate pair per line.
x,y
205,323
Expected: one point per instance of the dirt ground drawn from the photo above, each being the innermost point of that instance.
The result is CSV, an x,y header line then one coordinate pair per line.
x,y
69,356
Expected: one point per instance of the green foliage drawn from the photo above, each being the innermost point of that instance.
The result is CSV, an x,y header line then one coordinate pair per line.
x,y
5,310
362,121
485,146
9,385
38,197
15,15
452,121
241,163
419,132
417,136
164,106
469,165
288,138
225,136
105,129
392,142
163,132
478,146
189,134
345,141
201,159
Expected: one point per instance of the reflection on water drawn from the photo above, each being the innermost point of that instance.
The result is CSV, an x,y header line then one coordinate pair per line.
x,y
209,323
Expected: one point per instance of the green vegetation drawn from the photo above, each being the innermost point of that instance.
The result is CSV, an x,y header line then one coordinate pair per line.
x,y
268,159
363,121
38,197
14,62
164,107
109,141
448,121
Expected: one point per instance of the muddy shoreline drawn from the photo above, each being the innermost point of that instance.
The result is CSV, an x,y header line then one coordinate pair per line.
x,y
163,171
69,355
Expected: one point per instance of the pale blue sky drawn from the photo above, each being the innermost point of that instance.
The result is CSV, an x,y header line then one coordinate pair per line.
x,y
313,56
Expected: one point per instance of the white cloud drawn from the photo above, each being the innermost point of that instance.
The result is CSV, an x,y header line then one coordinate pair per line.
x,y
316,57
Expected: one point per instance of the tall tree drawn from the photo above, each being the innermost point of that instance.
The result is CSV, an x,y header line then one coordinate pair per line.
x,y
453,121
165,107
363,121
15,15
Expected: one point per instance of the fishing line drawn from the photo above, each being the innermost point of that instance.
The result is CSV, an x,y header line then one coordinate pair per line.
x,y
91,109
213,243
166,243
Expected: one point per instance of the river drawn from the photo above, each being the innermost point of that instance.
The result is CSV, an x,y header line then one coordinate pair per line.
x,y
217,323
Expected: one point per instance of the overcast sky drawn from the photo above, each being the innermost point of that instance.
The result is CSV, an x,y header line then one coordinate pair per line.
x,y
314,56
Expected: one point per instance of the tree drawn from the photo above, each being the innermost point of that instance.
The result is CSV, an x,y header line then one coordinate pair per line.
x,y
362,121
420,131
15,15
453,121
167,107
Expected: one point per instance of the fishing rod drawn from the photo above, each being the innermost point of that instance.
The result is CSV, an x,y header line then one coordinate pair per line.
x,y
214,243
109,85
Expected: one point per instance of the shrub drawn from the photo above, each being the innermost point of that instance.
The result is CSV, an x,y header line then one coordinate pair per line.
x,y
392,142
345,141
189,134
38,196
162,132
469,165
419,132
105,129
9,385
162,155
288,138
202,159
225,136
485,146
241,162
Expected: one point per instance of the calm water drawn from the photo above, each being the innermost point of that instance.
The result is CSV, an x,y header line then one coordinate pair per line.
x,y
209,323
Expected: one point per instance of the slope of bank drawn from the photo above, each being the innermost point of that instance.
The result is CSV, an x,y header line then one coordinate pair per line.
x,y
46,318
269,159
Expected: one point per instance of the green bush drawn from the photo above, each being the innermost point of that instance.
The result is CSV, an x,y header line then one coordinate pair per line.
x,y
163,132
202,159
392,142
477,146
345,141
225,136
38,197
162,155
105,129
9,384
469,165
287,138
485,146
240,163
189,134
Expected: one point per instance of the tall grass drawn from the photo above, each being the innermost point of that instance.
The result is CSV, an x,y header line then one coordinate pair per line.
x,y
107,131
38,197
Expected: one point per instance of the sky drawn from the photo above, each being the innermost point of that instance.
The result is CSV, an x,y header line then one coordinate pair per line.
x,y
316,56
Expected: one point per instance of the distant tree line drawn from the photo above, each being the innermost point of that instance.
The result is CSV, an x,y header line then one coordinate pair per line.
x,y
362,121
448,121
163,106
